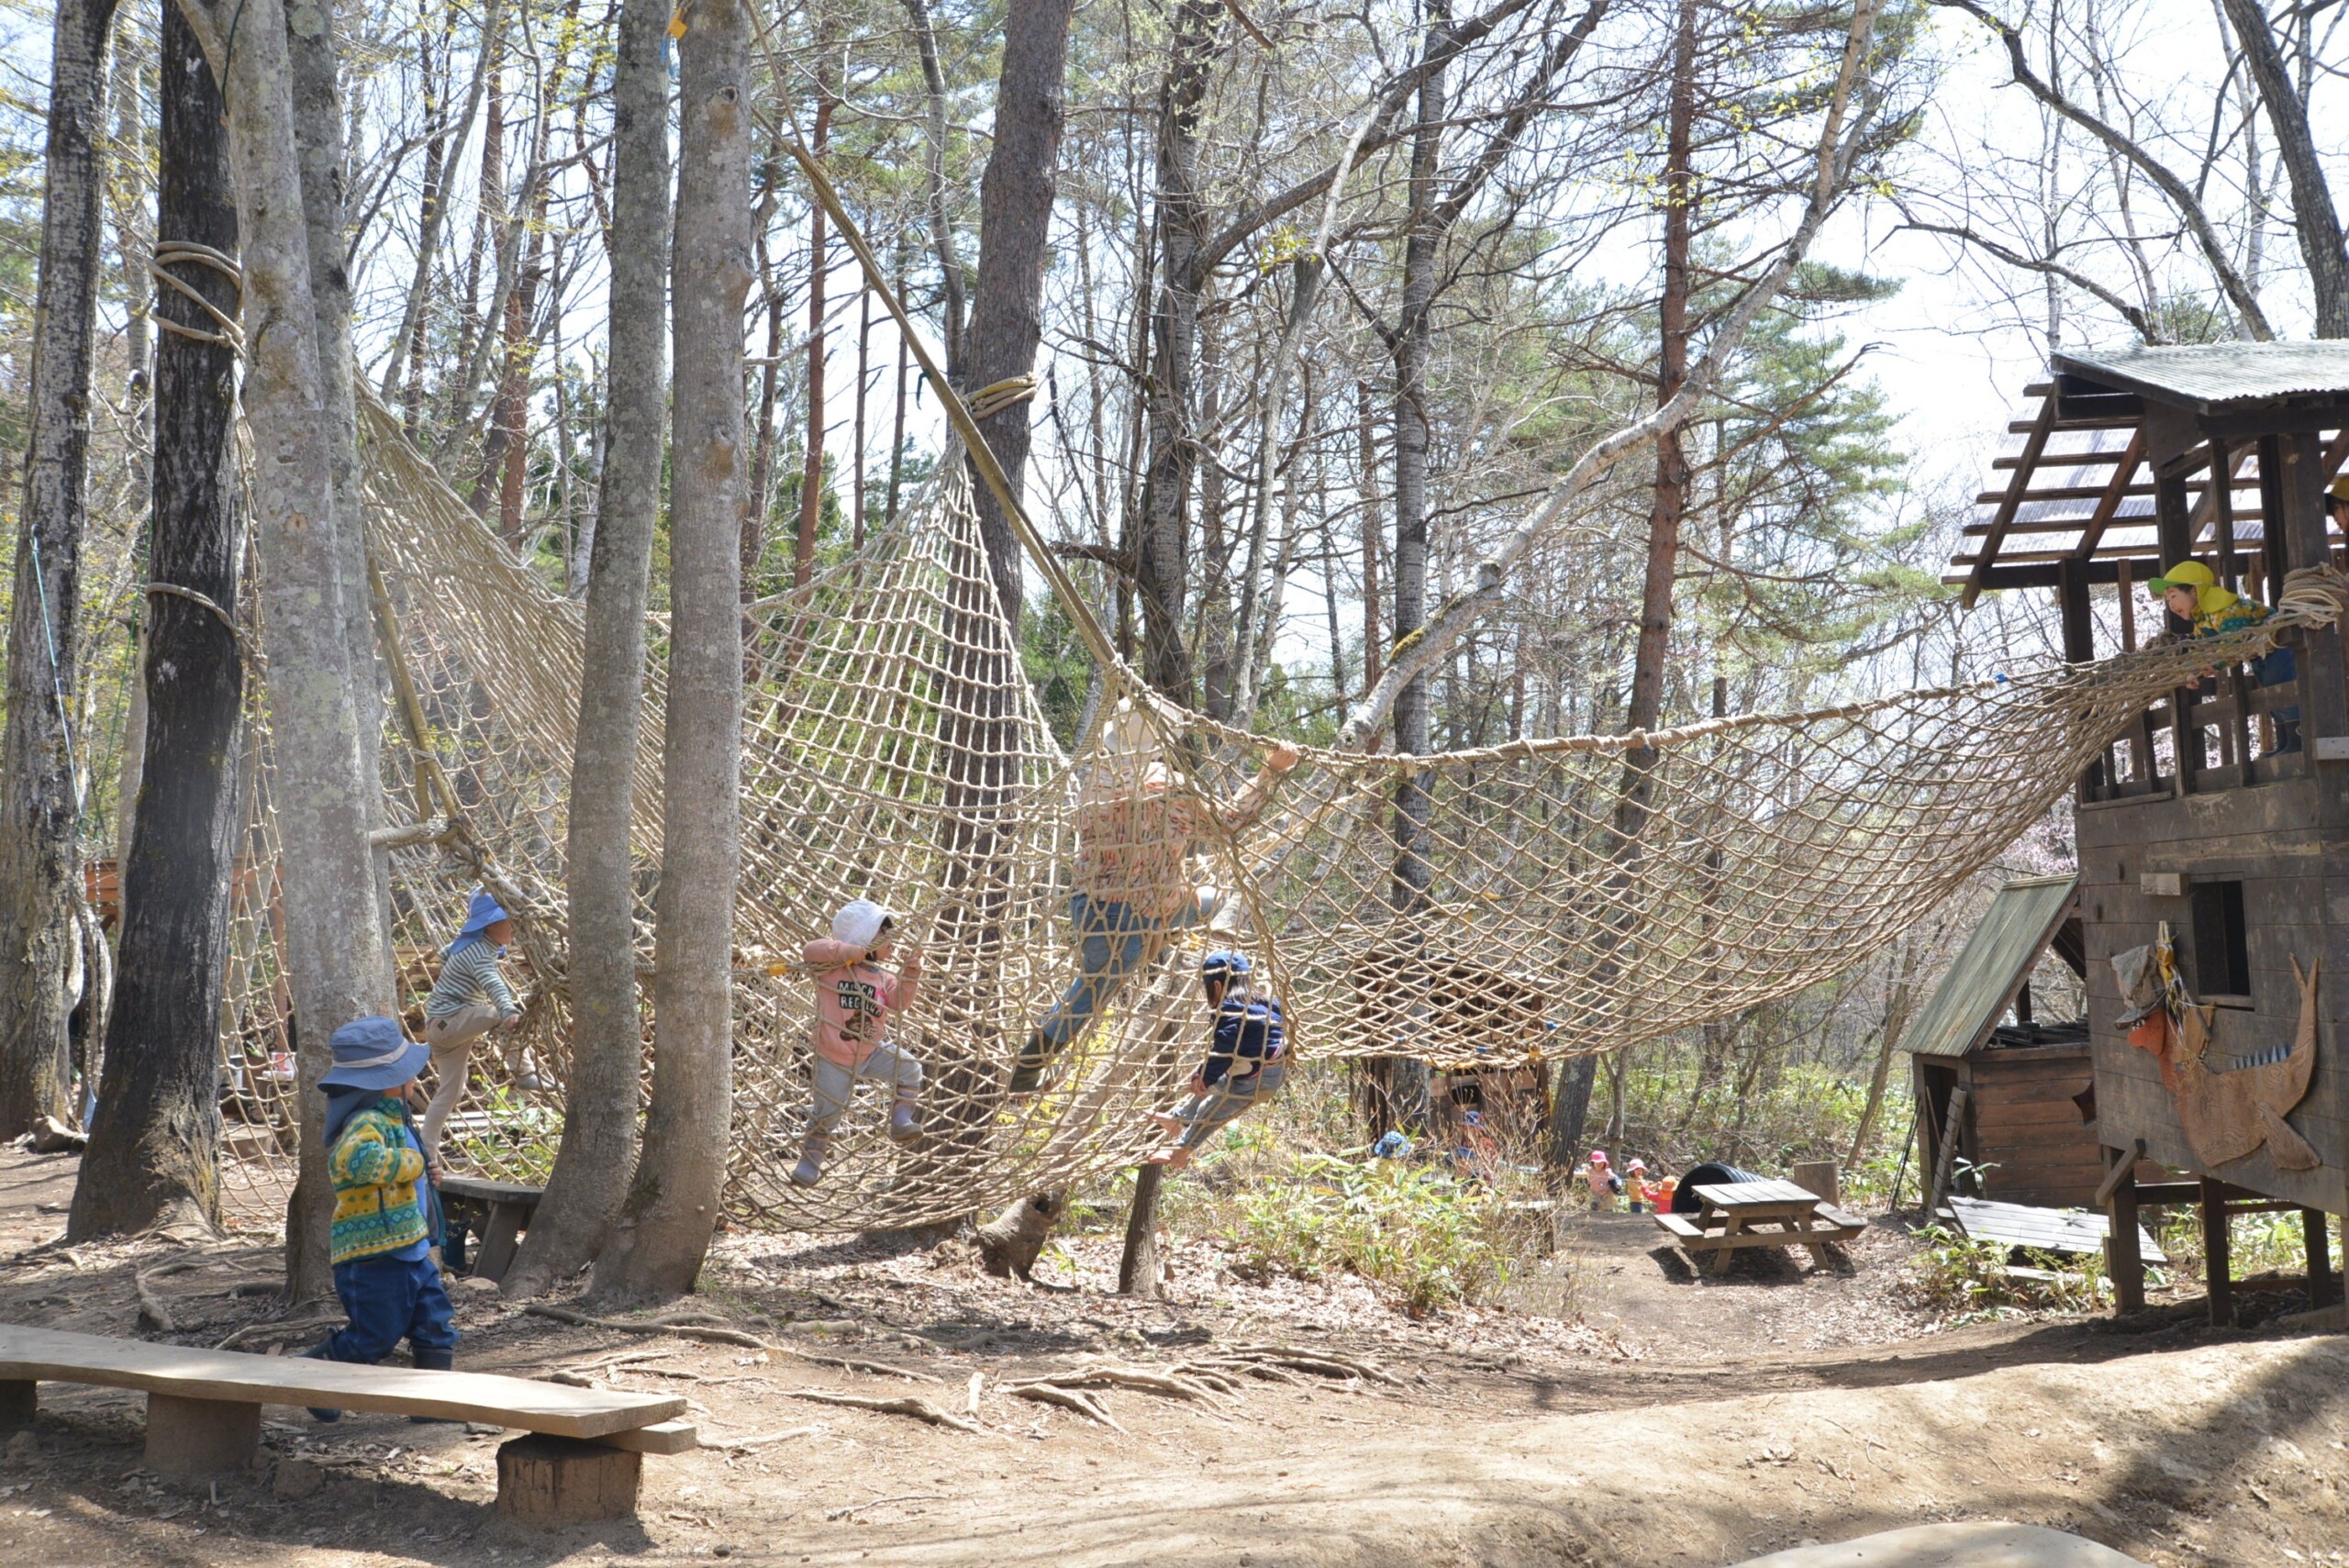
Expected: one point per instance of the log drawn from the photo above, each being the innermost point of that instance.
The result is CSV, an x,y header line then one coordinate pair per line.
x,y
547,1481
200,1437
19,1403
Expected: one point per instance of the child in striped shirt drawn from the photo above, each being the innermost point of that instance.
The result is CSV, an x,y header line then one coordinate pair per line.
x,y
469,1000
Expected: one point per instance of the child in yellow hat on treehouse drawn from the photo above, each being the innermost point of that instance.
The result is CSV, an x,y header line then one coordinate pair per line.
x,y
2195,595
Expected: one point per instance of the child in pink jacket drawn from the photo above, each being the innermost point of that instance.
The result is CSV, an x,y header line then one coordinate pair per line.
x,y
854,999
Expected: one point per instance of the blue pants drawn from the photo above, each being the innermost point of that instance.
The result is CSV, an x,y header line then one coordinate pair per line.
x,y
1203,1116
2274,668
1112,940
389,1300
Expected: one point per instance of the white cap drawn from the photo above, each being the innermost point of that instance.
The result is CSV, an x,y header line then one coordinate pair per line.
x,y
859,923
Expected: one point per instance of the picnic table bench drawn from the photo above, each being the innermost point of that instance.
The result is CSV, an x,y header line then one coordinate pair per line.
x,y
582,1460
1757,1213
500,1210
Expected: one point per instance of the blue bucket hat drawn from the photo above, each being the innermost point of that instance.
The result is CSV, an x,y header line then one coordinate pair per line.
x,y
480,915
373,1053
1223,963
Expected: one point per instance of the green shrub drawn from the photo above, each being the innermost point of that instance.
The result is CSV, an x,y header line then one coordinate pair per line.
x,y
1426,1235
1968,1279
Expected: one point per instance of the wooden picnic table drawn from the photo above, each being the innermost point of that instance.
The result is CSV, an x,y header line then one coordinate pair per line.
x,y
500,1210
1757,1213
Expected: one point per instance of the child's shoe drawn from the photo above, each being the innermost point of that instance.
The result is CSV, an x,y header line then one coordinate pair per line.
x,y
905,1127
810,1169
1028,1075
318,1352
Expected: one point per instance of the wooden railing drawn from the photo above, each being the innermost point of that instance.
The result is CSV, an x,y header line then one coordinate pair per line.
x,y
2233,736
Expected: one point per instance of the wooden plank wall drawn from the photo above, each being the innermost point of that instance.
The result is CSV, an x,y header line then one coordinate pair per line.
x,y
2026,1128
2294,873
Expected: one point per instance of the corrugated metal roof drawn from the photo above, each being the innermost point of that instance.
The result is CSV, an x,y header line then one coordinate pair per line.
x,y
1996,960
2209,376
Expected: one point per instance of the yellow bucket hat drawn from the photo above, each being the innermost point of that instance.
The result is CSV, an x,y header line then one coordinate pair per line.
x,y
2190,575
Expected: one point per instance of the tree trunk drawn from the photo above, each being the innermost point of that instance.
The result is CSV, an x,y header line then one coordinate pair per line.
x,y
1671,497
591,1167
941,228
1163,561
318,146
2313,215
1402,1080
39,803
811,475
1897,1009
664,1229
155,1144
1015,229
1162,568
335,935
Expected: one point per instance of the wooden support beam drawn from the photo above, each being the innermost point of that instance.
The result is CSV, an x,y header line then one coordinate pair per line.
x,y
200,1437
19,1403
2217,1268
2124,1263
2324,685
2324,1286
1945,1159
2033,445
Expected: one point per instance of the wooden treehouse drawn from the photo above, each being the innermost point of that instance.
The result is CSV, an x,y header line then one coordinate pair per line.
x,y
1996,1111
2208,815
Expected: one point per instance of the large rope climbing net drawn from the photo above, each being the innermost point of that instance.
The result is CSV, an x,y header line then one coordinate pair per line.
x,y
1544,898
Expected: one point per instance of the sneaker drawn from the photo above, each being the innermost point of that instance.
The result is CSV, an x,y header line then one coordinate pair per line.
x,y
1035,1057
903,1127
806,1174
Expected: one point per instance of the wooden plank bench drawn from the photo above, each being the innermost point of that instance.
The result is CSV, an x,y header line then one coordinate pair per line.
x,y
502,1209
582,1460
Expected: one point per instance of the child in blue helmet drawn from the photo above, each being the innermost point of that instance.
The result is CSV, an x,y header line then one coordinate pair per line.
x,y
469,1000
385,1214
1243,1067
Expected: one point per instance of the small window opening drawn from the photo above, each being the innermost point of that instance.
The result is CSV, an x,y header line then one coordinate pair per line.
x,y
2222,953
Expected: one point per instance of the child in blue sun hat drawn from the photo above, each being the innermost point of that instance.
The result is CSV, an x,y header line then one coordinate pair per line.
x,y
1243,1067
385,1216
469,999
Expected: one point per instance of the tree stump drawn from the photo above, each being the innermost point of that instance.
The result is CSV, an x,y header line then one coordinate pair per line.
x,y
18,1404
551,1481
200,1437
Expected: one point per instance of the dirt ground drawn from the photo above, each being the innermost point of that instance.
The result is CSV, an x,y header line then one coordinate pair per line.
x,y
1676,1422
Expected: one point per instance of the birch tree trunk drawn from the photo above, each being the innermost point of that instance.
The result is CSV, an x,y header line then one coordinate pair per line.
x,y
598,1150
325,797
154,1149
39,807
664,1227
1014,229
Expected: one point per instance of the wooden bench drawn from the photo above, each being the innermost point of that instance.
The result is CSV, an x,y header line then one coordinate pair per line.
x,y
582,1460
503,1210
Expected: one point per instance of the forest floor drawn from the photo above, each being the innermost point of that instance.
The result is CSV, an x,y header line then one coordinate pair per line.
x,y
1668,1421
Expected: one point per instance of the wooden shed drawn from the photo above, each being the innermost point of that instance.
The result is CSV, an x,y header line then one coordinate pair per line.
x,y
2220,815
1998,1115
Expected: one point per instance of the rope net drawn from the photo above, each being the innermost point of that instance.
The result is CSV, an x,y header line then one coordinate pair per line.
x,y
1485,908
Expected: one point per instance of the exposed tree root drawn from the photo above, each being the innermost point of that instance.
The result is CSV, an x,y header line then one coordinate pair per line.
x,y
696,1326
905,1405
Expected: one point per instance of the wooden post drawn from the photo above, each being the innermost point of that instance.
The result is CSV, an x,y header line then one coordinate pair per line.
x,y
2079,645
2324,1286
2324,699
1820,1178
2217,1279
18,1404
549,1481
2124,1262
200,1437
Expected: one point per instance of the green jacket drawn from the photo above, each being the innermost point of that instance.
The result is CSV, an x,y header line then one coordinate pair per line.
x,y
377,1173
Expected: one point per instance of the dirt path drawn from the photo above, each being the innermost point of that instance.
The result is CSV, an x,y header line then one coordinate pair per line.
x,y
1697,1425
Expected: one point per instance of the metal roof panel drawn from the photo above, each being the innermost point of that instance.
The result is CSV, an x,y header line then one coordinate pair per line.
x,y
1991,967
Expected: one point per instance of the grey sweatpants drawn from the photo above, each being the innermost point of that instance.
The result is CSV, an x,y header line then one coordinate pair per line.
x,y
1202,1115
836,1085
452,1038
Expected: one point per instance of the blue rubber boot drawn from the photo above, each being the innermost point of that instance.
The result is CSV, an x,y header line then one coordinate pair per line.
x,y
318,1352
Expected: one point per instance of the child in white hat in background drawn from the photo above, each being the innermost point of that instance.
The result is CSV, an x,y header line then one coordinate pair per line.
x,y
854,999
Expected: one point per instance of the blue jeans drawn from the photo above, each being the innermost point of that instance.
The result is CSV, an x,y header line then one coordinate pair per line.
x,y
1203,1114
389,1300
2274,668
1112,939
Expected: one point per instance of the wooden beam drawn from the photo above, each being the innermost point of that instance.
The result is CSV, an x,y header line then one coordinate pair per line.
x,y
2124,1264
2033,445
2218,1276
2109,503
2324,1288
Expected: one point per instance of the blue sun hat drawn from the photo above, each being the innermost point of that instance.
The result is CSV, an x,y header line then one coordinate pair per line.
x,y
373,1053
480,915
1223,963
